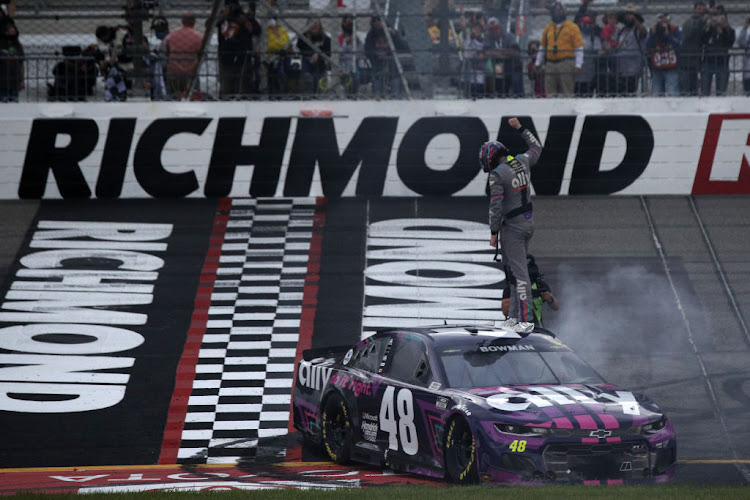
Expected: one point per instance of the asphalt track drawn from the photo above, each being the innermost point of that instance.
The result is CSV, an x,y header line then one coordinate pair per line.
x,y
654,293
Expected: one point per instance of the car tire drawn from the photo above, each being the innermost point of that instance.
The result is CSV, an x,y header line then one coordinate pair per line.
x,y
337,430
460,453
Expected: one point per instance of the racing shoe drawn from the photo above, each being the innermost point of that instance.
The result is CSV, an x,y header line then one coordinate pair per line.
x,y
523,327
506,323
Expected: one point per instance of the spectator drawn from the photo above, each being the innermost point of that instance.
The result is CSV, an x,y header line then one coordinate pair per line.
x,y
314,65
157,58
718,38
692,44
743,42
11,61
663,46
386,79
278,65
8,9
235,50
351,62
115,44
630,51
183,46
474,61
535,73
607,84
256,39
75,75
504,71
586,78
561,52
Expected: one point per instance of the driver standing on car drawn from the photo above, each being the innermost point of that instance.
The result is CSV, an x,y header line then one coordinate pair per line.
x,y
511,219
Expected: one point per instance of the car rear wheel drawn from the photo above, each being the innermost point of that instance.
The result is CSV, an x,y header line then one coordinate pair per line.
x,y
337,430
461,453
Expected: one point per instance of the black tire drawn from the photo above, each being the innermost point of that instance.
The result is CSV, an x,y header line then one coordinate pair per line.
x,y
337,430
460,453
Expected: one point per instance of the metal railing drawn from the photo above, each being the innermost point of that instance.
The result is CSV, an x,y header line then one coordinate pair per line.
x,y
283,77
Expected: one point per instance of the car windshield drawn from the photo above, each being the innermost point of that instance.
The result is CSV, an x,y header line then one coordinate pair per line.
x,y
473,368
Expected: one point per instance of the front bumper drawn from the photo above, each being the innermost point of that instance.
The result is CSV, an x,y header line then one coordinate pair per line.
x,y
601,463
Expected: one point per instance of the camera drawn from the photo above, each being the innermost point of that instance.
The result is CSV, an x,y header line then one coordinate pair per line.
x,y
660,30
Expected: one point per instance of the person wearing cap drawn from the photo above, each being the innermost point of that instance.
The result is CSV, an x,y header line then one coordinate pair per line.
x,y
663,48
511,218
183,46
631,51
561,53
592,49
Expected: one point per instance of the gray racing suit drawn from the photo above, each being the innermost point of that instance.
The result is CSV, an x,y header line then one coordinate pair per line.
x,y
511,218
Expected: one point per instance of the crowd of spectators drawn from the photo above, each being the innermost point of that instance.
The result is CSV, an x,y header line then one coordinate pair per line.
x,y
612,53
617,53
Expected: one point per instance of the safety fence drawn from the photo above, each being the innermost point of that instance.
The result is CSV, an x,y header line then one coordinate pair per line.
x,y
82,78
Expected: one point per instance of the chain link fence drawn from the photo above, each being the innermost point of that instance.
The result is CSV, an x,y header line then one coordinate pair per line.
x,y
61,61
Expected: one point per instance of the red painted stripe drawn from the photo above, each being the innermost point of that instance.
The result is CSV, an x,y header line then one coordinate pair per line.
x,y
186,367
309,305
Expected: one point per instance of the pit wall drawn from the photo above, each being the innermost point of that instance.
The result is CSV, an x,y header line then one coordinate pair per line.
x,y
389,148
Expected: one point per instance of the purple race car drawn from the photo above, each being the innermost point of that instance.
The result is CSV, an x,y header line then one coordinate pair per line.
x,y
473,404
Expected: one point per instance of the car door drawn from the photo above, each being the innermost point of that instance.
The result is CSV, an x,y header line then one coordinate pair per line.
x,y
406,403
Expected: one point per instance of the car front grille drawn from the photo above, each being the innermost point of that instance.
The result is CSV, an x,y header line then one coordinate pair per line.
x,y
576,462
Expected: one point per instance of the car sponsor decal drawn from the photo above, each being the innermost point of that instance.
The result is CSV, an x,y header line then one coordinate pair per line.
x,y
513,400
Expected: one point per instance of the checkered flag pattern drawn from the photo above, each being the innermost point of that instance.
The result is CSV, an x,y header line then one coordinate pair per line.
x,y
244,375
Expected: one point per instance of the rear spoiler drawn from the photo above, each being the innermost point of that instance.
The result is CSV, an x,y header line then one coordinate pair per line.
x,y
325,352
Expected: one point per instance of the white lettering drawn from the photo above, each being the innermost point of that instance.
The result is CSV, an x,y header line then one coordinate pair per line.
x,y
132,261
92,339
51,368
45,398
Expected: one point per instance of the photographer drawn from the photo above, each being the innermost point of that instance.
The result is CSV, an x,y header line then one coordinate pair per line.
x,y
663,48
75,75
718,38
235,31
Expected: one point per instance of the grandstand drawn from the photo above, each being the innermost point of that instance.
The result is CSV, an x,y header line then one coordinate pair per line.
x,y
429,70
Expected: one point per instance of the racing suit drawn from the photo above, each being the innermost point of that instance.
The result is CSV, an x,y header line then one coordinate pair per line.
x,y
511,218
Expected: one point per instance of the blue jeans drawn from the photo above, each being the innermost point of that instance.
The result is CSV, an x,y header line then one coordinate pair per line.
x,y
665,81
720,72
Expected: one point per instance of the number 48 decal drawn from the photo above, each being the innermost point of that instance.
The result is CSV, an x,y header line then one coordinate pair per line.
x,y
404,430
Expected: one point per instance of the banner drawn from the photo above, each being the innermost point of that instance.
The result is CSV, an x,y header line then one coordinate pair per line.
x,y
413,148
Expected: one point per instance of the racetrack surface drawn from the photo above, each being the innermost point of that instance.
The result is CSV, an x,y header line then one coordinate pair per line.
x,y
654,294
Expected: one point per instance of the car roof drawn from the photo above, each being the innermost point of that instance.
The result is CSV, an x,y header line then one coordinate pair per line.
x,y
469,335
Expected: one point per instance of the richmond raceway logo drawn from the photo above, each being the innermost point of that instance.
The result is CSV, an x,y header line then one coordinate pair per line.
x,y
723,167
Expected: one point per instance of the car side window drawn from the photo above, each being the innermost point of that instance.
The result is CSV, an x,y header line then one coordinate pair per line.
x,y
368,356
409,362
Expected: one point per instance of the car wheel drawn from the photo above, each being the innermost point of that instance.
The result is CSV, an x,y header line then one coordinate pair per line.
x,y
337,430
460,453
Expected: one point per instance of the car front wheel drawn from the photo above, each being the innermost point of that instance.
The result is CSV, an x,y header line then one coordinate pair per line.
x,y
461,453
337,430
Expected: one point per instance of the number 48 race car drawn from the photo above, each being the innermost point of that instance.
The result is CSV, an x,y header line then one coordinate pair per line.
x,y
473,404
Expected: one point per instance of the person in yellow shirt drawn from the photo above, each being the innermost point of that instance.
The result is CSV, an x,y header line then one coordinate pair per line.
x,y
561,53
278,56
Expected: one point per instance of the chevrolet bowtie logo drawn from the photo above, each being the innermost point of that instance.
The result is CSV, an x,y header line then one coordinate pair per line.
x,y
600,433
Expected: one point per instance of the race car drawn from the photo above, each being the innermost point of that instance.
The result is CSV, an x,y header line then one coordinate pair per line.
x,y
479,404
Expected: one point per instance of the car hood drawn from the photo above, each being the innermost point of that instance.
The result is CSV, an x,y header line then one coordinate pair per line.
x,y
566,404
